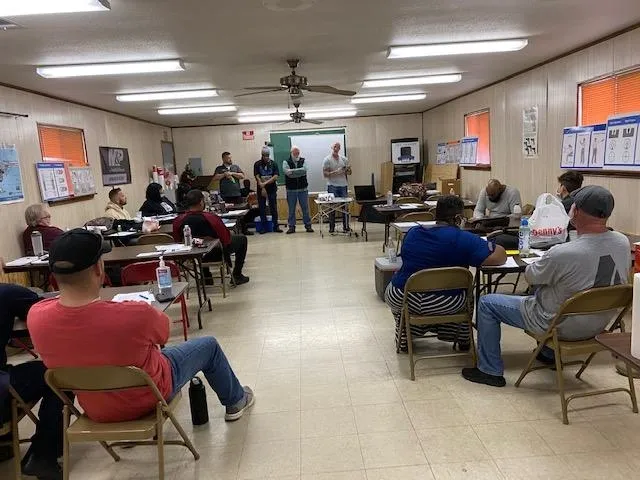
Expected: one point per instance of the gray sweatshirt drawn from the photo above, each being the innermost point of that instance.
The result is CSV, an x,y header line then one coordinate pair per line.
x,y
509,199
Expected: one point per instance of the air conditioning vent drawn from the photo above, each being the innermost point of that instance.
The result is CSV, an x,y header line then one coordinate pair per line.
x,y
7,25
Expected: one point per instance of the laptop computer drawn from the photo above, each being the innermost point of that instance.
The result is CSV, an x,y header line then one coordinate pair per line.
x,y
365,192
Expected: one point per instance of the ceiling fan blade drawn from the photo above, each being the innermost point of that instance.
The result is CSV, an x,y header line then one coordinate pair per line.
x,y
258,93
315,122
270,87
328,89
286,123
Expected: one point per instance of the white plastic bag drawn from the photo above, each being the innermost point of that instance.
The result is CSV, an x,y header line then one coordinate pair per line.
x,y
549,222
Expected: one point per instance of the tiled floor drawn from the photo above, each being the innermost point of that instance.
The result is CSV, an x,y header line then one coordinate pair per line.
x,y
334,402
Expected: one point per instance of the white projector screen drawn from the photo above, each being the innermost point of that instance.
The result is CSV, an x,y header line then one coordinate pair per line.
x,y
314,149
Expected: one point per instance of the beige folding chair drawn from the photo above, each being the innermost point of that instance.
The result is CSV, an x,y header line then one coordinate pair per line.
x,y
432,280
19,410
592,301
432,198
412,217
402,200
221,267
135,432
155,239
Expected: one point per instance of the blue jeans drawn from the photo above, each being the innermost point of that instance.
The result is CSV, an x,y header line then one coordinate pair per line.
x,y
272,198
339,192
204,355
302,197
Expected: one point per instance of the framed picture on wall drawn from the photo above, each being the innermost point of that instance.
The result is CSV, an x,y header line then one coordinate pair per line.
x,y
114,162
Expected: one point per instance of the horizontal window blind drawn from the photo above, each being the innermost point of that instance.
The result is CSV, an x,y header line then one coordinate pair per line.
x,y
61,144
615,95
477,125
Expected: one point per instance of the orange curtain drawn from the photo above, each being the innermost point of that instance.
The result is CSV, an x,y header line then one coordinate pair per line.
x,y
59,144
616,95
477,125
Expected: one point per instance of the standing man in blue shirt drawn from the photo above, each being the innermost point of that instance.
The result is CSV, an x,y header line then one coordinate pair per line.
x,y
267,173
335,169
295,170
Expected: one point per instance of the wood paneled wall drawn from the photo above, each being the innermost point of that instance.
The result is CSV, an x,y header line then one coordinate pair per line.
x,y
100,129
554,89
368,143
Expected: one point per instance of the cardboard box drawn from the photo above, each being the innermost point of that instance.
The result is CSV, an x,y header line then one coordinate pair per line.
x,y
447,184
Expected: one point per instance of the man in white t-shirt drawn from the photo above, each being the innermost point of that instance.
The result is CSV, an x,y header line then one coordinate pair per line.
x,y
336,169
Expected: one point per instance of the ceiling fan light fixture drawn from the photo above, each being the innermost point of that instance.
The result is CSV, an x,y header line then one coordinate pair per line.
x,y
389,98
175,95
116,68
42,7
458,48
195,110
263,118
330,114
409,81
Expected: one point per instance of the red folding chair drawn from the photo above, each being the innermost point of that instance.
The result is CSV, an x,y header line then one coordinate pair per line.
x,y
141,273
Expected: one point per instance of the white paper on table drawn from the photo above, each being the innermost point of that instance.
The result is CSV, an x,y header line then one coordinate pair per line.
x,y
149,254
173,247
538,252
431,203
122,234
530,260
411,205
22,261
405,224
230,224
146,297
510,263
432,223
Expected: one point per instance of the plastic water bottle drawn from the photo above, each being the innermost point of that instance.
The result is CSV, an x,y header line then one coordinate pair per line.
x,y
392,254
186,234
524,236
198,402
163,275
389,198
36,243
517,211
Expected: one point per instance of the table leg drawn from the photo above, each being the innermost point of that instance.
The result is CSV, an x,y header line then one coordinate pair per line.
x,y
387,227
363,219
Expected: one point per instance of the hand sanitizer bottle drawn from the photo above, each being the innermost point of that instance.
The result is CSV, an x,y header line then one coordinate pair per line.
x,y
163,275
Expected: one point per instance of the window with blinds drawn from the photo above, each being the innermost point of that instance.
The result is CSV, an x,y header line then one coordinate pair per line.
x,y
62,144
614,95
477,124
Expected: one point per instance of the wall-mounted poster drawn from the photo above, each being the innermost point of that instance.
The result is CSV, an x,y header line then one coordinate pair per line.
x,y
83,181
568,158
454,151
405,150
469,147
10,175
530,132
583,144
115,166
596,149
52,178
441,156
622,134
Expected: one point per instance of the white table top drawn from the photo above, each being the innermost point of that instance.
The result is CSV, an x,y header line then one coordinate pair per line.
x,y
335,200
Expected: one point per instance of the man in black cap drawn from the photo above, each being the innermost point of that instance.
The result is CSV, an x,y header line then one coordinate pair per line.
x,y
597,258
79,329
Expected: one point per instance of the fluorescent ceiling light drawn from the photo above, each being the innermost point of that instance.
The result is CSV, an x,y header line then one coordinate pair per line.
x,y
190,110
283,117
120,68
15,8
177,95
461,48
389,98
407,81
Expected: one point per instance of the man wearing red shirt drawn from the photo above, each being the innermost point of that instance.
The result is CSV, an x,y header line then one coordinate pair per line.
x,y
79,330
204,224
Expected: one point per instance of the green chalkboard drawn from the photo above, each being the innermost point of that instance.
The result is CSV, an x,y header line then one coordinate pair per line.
x,y
281,142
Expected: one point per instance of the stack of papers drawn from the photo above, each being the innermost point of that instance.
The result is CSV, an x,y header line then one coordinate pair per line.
x,y
122,234
411,205
146,297
21,262
149,254
432,223
173,247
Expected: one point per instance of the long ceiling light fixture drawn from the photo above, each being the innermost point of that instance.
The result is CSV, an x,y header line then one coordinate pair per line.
x,y
117,68
460,48
39,7
408,81
193,110
176,95
283,117
389,98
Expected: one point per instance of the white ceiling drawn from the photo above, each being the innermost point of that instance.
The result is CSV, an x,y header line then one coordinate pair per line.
x,y
240,43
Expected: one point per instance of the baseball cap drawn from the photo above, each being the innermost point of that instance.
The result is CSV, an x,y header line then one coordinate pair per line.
x,y
594,200
266,151
76,250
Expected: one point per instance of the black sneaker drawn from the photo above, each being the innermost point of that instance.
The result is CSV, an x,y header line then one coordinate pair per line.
x,y
545,360
476,376
262,232
291,230
43,469
309,229
248,233
240,279
278,230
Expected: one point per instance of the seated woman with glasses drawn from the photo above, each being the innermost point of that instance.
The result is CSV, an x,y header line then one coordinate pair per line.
x,y
38,219
442,245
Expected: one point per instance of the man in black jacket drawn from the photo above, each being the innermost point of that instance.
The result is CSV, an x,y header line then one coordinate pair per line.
x,y
295,171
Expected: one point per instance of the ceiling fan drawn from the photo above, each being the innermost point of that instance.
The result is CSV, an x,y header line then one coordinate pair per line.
x,y
295,84
298,117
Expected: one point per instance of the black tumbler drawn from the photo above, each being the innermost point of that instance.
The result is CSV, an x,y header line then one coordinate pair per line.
x,y
198,402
